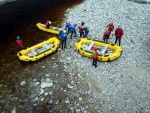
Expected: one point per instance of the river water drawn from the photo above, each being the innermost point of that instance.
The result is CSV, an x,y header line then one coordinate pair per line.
x,y
19,18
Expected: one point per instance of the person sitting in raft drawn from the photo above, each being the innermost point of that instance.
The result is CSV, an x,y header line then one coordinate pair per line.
x,y
48,23
19,42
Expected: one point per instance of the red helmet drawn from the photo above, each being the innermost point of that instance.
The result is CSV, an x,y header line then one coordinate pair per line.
x,y
111,23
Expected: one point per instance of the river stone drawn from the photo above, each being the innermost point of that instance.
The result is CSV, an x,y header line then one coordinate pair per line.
x,y
32,96
44,84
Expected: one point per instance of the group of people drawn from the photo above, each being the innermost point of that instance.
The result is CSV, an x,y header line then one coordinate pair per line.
x,y
118,32
71,29
83,31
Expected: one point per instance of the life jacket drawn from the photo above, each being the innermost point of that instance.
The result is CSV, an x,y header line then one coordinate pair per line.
x,y
63,37
106,33
81,28
95,56
19,43
119,32
110,26
47,22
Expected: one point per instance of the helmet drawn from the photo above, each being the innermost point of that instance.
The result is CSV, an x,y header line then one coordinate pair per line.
x,y
64,31
60,29
75,25
82,23
18,37
119,26
67,22
111,23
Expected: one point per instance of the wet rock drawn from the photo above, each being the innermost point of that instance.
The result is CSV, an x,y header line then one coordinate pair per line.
x,y
32,96
23,83
44,84
41,91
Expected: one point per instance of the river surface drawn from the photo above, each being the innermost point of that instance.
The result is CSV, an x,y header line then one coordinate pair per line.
x,y
19,18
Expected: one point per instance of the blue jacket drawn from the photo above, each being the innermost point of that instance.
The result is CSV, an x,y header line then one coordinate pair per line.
x,y
60,33
72,27
64,37
67,25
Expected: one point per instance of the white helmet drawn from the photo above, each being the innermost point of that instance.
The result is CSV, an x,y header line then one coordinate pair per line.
x,y
64,31
60,29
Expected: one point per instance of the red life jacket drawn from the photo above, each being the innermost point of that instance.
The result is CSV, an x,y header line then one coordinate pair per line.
x,y
80,28
47,22
110,26
119,32
96,55
19,43
106,33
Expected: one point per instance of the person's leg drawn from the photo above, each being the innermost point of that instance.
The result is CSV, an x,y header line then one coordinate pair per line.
x,y
104,39
119,41
107,38
95,63
75,34
71,34
68,31
116,40
64,43
80,34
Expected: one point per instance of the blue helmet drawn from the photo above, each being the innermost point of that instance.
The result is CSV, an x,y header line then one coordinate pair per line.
x,y
75,25
18,37
119,26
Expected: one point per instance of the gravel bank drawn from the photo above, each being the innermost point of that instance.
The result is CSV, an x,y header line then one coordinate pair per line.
x,y
121,85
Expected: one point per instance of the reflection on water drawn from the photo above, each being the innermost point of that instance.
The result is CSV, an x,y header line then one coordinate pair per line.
x,y
20,18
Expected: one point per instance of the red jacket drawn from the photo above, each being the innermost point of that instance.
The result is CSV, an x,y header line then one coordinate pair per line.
x,y
95,57
19,43
107,32
110,26
80,28
119,32
47,22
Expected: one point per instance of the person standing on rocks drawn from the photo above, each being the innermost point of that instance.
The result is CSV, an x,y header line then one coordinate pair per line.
x,y
106,35
80,27
110,27
73,30
86,32
67,26
118,34
19,42
60,33
95,58
63,39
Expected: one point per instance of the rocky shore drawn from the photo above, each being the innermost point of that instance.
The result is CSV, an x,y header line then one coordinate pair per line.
x,y
66,82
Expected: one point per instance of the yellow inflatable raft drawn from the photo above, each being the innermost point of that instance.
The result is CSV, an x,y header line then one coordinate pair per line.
x,y
40,50
51,29
106,51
